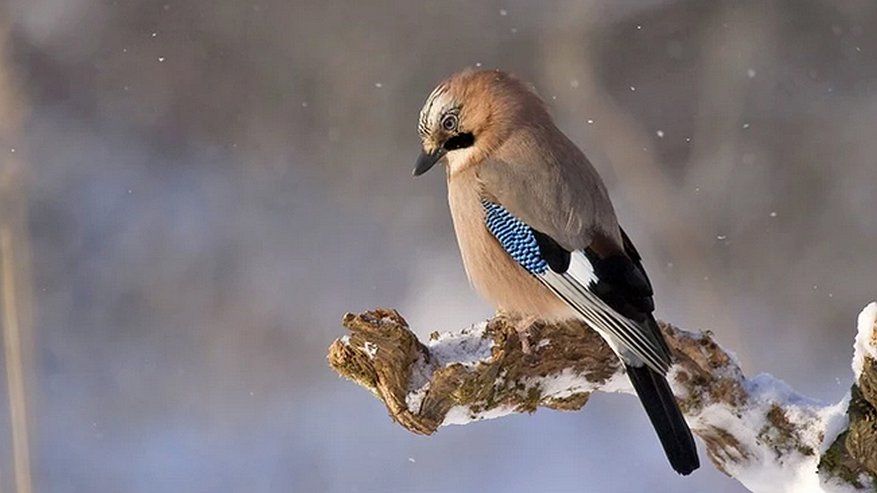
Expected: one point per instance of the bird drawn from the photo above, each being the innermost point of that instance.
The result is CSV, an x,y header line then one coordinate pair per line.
x,y
538,234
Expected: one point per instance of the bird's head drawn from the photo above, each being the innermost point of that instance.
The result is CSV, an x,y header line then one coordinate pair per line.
x,y
470,114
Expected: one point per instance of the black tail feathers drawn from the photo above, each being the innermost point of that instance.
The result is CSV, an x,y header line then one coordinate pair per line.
x,y
655,394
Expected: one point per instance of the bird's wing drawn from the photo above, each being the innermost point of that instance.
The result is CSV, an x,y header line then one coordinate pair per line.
x,y
636,259
612,294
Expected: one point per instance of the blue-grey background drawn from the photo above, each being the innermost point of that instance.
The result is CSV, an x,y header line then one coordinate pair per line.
x,y
212,184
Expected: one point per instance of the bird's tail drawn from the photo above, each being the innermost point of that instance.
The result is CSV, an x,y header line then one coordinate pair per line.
x,y
655,394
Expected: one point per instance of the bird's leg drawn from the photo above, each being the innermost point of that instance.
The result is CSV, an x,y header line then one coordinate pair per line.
x,y
528,333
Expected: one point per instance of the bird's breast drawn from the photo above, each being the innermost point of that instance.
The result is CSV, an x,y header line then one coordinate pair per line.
x,y
494,274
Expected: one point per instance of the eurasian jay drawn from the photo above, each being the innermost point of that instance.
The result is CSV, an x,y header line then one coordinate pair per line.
x,y
538,233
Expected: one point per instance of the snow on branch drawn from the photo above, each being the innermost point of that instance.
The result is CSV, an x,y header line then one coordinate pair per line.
x,y
756,430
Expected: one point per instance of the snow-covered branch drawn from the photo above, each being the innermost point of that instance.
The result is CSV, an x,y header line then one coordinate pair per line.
x,y
757,430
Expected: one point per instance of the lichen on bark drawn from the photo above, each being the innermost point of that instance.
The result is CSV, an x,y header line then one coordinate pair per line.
x,y
482,372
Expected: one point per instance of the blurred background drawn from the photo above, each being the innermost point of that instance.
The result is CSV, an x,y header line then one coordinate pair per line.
x,y
192,193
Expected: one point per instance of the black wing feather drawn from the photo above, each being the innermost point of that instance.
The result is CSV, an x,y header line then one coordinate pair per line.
x,y
648,301
556,256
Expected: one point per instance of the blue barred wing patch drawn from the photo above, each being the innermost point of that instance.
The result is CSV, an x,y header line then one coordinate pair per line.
x,y
515,237
634,344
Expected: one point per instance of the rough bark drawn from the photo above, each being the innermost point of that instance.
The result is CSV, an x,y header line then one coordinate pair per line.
x,y
481,372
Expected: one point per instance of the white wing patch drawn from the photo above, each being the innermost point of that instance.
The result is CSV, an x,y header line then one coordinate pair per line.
x,y
629,341
634,344
580,268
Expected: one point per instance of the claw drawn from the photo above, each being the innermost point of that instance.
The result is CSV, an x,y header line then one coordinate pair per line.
x,y
528,333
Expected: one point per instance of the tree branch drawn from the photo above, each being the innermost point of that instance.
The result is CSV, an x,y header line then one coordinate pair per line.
x,y
757,430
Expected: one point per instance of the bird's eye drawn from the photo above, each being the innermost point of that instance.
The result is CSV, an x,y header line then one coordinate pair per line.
x,y
449,123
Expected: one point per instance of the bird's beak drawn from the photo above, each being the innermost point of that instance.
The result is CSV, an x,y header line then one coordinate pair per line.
x,y
428,160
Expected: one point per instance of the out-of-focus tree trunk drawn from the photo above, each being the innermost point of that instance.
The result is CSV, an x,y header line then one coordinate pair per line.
x,y
15,280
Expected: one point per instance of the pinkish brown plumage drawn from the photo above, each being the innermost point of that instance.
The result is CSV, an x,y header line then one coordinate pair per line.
x,y
538,234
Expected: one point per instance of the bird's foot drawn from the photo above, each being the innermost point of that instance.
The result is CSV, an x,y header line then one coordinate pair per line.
x,y
528,332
